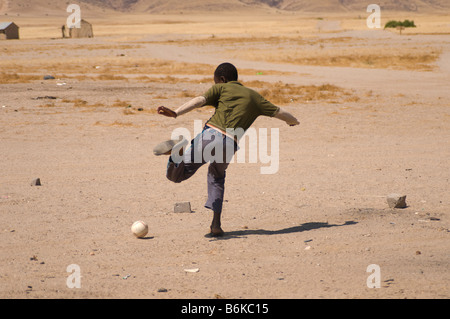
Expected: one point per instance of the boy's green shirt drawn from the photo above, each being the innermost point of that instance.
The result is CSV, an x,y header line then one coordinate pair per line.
x,y
236,106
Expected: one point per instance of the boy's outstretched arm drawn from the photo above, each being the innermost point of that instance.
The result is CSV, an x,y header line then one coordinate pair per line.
x,y
287,117
199,101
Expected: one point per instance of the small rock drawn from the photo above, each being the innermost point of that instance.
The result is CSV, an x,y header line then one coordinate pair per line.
x,y
162,290
47,97
49,77
192,270
183,207
36,182
396,201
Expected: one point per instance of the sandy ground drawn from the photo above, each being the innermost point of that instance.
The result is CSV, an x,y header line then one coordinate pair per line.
x,y
309,231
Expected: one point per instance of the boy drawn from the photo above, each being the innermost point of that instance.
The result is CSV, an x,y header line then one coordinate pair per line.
x,y
237,107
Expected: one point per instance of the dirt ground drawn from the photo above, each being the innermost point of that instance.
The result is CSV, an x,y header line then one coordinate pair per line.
x,y
311,230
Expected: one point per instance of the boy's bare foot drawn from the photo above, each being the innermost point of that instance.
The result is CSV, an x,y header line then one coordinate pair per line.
x,y
217,231
165,148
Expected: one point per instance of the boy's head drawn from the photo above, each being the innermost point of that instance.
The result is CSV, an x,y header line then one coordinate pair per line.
x,y
225,72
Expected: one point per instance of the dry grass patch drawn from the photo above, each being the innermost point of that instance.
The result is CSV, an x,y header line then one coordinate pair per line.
x,y
101,68
256,40
82,103
187,94
357,57
283,93
47,105
110,77
166,79
120,103
45,47
116,124
13,78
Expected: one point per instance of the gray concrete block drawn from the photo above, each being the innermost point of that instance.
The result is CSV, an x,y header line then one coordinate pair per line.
x,y
182,207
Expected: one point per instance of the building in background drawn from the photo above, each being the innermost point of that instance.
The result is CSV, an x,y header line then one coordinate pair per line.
x,y
84,31
9,30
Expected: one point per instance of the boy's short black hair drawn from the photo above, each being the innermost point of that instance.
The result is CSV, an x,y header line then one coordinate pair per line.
x,y
228,71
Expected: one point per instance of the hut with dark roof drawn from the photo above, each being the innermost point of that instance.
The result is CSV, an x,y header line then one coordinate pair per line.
x,y
9,30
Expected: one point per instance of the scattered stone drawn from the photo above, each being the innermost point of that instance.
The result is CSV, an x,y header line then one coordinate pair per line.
x,y
192,270
418,252
183,207
396,201
388,282
36,182
47,97
428,219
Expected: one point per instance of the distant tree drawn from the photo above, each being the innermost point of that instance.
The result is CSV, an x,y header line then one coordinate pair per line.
x,y
399,25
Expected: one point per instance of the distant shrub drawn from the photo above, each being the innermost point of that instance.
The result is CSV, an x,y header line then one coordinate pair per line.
x,y
395,24
409,24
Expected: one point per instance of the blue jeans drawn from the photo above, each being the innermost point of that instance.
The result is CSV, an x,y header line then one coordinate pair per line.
x,y
209,146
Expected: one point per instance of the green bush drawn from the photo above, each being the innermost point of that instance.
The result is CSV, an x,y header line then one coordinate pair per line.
x,y
395,24
409,24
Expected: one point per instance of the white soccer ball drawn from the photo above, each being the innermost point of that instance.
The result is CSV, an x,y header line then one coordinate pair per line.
x,y
139,229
